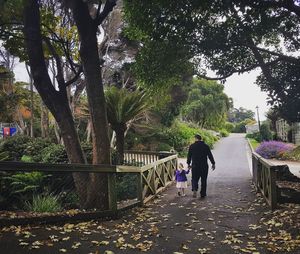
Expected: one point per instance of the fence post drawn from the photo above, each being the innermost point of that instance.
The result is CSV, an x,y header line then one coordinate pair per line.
x,y
112,192
152,179
140,188
273,187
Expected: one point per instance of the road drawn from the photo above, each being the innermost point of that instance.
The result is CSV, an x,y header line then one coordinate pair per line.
x,y
231,219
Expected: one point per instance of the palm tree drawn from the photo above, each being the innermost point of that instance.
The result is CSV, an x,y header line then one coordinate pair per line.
x,y
123,108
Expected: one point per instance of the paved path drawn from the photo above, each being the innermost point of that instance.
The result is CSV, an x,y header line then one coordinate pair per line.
x,y
231,219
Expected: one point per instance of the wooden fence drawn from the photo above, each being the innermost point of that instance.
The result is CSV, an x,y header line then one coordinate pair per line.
x,y
264,178
154,172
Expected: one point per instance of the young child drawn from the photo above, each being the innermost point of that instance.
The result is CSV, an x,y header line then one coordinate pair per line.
x,y
181,180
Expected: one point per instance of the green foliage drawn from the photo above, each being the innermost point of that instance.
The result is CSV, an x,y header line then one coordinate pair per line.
x,y
124,106
254,136
254,143
34,149
265,132
226,37
4,156
26,183
238,115
44,204
181,135
15,146
224,133
207,104
229,126
241,126
126,186
54,154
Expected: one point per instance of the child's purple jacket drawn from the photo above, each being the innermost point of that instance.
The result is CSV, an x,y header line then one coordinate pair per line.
x,y
181,176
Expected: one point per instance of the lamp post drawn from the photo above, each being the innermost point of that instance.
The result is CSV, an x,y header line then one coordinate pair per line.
x,y
258,119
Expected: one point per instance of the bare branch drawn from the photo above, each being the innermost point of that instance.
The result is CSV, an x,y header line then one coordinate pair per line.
x,y
60,76
108,7
77,75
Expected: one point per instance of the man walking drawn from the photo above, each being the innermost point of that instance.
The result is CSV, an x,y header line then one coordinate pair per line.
x,y
198,153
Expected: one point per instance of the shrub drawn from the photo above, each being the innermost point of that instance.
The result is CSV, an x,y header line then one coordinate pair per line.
x,y
255,135
4,156
44,204
34,148
15,146
224,133
54,154
239,128
126,186
265,132
273,149
229,126
26,182
181,135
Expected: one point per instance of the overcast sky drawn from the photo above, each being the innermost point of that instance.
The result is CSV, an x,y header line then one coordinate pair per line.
x,y
246,93
241,88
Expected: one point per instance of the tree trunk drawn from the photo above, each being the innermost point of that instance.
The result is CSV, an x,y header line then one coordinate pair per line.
x,y
88,131
87,29
56,101
31,100
44,121
120,131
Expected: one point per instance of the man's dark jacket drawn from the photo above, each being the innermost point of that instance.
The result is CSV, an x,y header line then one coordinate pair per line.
x,y
198,153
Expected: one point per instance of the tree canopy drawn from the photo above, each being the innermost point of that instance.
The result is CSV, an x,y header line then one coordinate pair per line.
x,y
226,37
207,104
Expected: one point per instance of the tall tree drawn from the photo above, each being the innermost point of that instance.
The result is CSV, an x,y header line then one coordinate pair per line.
x,y
48,27
207,104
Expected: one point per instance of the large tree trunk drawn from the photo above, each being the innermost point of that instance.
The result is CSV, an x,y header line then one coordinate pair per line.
x,y
56,101
87,28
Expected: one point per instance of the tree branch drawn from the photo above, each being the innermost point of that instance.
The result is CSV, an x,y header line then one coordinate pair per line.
x,y
239,71
60,76
286,58
108,7
77,75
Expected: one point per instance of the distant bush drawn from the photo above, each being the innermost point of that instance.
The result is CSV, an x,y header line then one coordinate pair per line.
x,y
44,204
255,135
224,133
273,149
229,126
265,132
180,135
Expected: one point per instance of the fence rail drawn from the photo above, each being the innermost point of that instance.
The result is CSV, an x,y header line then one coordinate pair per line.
x,y
149,173
264,178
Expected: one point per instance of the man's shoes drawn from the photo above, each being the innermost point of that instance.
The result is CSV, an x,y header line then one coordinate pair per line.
x,y
179,193
203,196
194,194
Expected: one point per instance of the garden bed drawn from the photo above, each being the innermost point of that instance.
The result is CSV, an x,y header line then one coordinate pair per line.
x,y
25,217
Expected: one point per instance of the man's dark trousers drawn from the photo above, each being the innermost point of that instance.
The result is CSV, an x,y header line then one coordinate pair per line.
x,y
197,173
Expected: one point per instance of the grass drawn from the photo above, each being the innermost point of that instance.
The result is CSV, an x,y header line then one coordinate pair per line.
x,y
44,204
254,143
